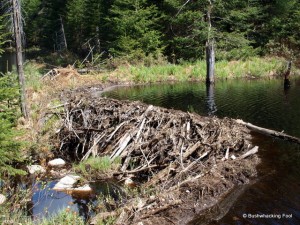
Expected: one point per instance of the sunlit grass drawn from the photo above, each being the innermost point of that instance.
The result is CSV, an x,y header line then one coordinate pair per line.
x,y
252,67
97,165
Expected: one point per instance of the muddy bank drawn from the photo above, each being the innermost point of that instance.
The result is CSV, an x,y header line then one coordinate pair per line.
x,y
181,163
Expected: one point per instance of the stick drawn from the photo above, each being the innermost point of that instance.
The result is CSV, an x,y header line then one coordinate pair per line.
x,y
269,132
191,150
250,152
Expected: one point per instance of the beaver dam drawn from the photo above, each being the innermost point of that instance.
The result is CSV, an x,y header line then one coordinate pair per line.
x,y
181,163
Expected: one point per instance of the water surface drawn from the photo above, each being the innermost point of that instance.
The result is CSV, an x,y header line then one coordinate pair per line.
x,y
275,197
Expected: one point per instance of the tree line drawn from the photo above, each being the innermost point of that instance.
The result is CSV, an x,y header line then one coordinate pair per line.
x,y
177,29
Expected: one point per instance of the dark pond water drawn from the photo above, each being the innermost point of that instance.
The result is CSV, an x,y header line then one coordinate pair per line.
x,y
8,61
275,197
46,202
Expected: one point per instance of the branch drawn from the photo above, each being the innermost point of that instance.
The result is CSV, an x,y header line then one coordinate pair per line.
x,y
179,11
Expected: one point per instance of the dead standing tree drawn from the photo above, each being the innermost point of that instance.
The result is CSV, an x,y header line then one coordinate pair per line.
x,y
18,28
210,51
13,8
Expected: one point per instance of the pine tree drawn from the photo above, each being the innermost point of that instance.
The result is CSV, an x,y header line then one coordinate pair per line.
x,y
10,153
135,29
3,34
76,23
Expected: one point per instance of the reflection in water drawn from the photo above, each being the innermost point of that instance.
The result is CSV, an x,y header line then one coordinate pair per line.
x,y
8,61
263,103
46,202
210,95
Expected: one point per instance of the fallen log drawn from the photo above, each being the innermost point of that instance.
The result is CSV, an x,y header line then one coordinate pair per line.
x,y
270,132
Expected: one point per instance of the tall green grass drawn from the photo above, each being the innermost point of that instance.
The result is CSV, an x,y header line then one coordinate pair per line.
x,y
33,73
253,67
96,165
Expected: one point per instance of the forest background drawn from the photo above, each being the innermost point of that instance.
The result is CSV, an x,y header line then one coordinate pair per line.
x,y
176,30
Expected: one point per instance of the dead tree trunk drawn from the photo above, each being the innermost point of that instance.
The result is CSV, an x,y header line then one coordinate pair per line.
x,y
287,82
210,62
210,52
18,40
63,33
210,95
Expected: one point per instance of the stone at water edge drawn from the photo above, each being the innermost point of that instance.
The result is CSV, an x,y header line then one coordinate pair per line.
x,y
57,162
66,182
84,188
2,199
59,174
129,182
36,169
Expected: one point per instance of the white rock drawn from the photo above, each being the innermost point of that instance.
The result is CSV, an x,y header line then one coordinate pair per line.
x,y
2,199
84,188
57,162
36,169
66,183
129,182
233,157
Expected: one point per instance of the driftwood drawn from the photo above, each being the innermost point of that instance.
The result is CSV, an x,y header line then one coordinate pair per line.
x,y
270,132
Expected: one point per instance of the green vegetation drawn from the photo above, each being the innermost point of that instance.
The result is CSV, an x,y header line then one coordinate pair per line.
x,y
33,73
136,29
3,34
95,166
64,217
253,67
10,148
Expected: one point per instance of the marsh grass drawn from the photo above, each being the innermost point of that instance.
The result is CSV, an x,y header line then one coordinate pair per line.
x,y
253,67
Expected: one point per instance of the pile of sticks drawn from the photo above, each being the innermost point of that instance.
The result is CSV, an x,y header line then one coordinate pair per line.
x,y
161,145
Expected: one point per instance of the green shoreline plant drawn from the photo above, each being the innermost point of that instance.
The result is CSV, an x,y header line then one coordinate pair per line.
x,y
253,67
96,166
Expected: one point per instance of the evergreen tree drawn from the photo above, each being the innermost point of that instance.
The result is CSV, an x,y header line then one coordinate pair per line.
x,y
2,34
76,23
33,9
10,153
186,29
135,30
236,24
9,148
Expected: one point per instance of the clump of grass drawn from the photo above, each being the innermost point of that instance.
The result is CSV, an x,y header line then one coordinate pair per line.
x,y
97,166
254,66
64,217
51,124
33,73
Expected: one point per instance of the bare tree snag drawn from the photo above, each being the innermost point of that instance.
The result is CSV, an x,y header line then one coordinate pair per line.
x,y
210,62
63,33
17,32
269,132
287,82
210,52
